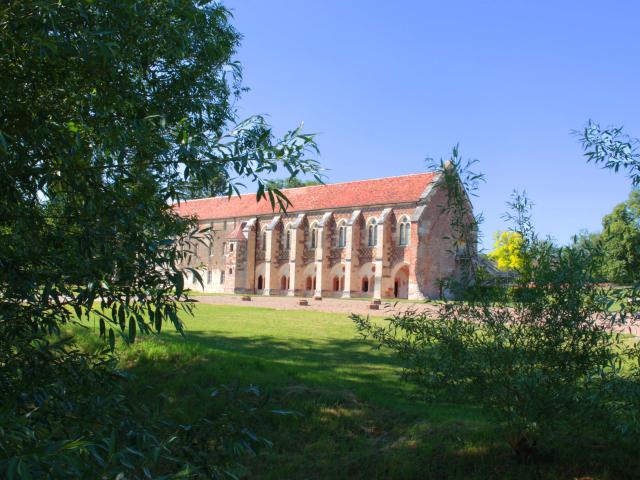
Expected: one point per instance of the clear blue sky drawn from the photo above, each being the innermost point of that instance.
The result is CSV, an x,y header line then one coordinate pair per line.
x,y
386,84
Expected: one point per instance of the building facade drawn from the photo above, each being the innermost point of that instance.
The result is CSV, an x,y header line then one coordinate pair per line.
x,y
382,238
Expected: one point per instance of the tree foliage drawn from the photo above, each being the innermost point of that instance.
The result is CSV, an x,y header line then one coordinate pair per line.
x,y
507,250
109,112
620,242
292,182
541,354
611,148
615,150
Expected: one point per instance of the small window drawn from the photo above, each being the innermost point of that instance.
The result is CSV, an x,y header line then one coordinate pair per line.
x,y
405,232
222,276
342,235
288,239
264,240
372,233
231,271
231,247
209,276
314,236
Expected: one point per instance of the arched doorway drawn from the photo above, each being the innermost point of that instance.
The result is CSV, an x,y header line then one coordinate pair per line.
x,y
284,283
260,282
336,284
365,285
401,283
309,284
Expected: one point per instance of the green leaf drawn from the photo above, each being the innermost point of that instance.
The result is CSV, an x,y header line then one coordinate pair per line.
x,y
132,329
158,319
122,318
112,339
179,284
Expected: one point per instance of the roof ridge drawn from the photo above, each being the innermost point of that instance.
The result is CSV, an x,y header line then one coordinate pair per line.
x,y
313,186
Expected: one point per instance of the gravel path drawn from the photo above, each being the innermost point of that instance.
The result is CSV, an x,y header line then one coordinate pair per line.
x,y
331,305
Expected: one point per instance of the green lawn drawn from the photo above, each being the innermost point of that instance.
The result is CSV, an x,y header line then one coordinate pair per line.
x,y
357,418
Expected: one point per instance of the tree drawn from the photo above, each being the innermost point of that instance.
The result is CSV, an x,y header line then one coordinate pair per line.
x,y
213,188
292,182
109,110
613,149
620,242
507,250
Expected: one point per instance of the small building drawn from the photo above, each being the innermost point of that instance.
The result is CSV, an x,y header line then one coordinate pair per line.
x,y
382,238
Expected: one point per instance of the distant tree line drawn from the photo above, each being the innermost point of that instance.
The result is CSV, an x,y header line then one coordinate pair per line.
x,y
616,247
619,242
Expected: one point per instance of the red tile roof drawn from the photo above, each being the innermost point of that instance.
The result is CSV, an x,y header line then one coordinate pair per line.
x,y
381,191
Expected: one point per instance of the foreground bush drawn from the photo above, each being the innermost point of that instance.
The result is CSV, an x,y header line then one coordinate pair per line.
x,y
65,414
111,113
541,353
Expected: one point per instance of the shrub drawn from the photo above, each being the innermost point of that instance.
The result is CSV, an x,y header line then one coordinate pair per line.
x,y
65,414
541,353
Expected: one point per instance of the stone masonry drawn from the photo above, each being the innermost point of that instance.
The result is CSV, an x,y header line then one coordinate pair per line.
x,y
383,238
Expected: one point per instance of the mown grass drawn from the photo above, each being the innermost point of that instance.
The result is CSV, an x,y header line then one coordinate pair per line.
x,y
356,417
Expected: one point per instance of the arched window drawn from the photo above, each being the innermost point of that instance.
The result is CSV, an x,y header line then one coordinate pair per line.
x,y
372,233
314,235
259,282
342,234
283,282
264,239
365,284
405,231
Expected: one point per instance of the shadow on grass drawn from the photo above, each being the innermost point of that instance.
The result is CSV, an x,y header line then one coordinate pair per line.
x,y
330,365
356,419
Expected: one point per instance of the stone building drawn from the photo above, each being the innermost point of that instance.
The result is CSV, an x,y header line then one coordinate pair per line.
x,y
382,238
